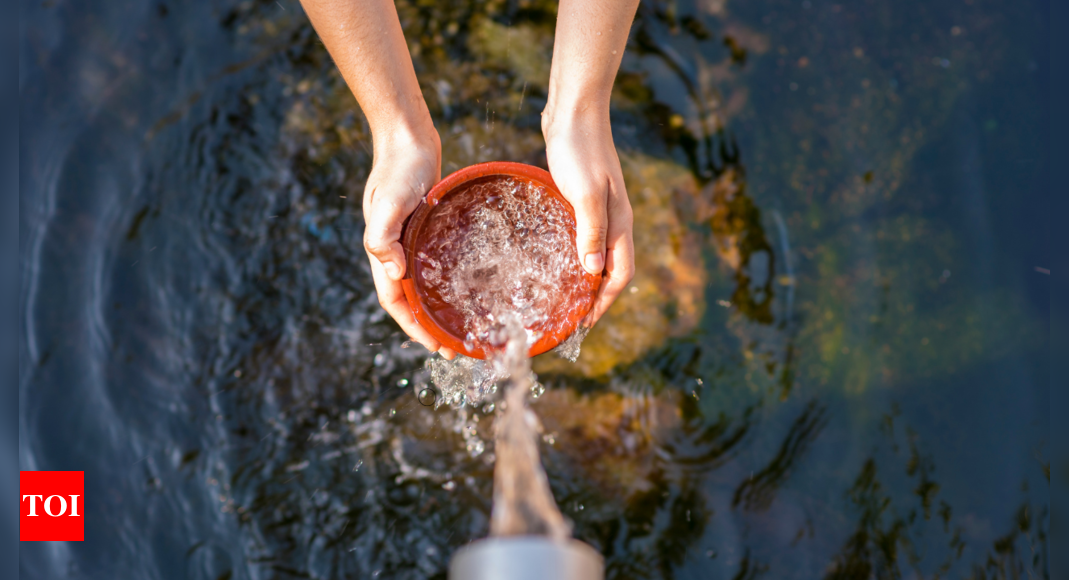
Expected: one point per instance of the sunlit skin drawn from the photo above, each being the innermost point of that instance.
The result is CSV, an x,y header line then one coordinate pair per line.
x,y
365,39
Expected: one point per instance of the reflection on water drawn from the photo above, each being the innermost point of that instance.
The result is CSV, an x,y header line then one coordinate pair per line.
x,y
831,362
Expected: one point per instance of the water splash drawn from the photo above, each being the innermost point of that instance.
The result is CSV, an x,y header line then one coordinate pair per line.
x,y
570,348
496,247
498,260
523,503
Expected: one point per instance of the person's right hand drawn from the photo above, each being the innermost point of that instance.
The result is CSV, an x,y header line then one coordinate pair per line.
x,y
403,171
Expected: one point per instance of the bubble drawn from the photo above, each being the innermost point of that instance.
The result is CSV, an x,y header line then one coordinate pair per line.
x,y
427,397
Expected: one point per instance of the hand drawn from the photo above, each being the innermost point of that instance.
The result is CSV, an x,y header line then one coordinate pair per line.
x,y
404,170
586,169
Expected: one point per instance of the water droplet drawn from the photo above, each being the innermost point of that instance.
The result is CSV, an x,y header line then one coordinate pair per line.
x,y
476,447
393,412
351,416
380,359
536,390
402,383
449,485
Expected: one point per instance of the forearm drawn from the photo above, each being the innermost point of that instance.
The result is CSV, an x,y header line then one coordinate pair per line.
x,y
365,39
589,43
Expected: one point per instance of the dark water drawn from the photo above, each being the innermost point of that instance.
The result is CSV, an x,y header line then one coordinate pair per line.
x,y
833,362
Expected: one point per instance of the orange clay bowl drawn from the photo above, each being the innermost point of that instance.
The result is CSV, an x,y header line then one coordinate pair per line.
x,y
449,330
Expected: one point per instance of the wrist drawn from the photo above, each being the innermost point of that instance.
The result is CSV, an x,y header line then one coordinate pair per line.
x,y
403,124
568,117
406,136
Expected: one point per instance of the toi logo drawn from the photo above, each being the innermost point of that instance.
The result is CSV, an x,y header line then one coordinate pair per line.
x,y
52,506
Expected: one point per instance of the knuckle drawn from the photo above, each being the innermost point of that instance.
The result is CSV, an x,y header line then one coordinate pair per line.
x,y
595,232
375,246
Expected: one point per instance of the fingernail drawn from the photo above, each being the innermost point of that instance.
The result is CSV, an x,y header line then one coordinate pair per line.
x,y
594,262
392,270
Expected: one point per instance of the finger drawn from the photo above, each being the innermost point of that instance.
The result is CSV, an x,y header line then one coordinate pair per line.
x,y
620,262
392,298
382,236
591,224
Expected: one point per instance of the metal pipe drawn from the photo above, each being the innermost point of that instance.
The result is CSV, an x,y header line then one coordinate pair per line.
x,y
526,558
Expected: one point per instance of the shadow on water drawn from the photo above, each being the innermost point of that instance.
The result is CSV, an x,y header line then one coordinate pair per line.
x,y
769,399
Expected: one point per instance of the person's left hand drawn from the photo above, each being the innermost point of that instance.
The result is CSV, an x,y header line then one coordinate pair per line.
x,y
584,164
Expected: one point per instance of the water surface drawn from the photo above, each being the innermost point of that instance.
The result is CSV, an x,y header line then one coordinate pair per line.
x,y
832,361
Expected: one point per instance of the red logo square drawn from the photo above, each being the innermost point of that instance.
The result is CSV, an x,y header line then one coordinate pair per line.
x,y
52,506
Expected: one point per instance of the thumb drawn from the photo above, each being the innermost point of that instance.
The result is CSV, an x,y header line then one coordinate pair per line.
x,y
591,226
382,236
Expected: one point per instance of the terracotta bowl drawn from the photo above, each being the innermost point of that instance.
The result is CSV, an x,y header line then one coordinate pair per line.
x,y
449,332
